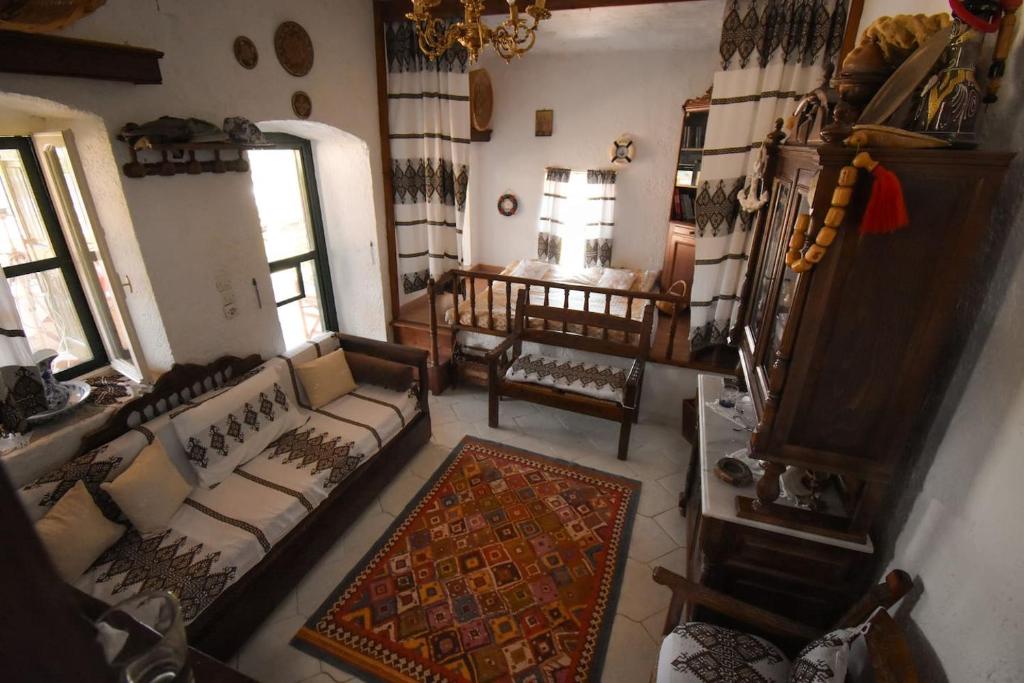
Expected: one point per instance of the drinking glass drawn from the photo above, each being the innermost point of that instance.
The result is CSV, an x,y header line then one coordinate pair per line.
x,y
147,635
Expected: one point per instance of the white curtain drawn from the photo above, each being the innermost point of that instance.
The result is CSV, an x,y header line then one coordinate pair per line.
x,y
554,215
773,52
21,387
600,218
428,109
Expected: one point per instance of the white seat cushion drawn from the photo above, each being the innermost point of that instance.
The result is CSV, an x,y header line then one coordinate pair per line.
x,y
701,653
589,379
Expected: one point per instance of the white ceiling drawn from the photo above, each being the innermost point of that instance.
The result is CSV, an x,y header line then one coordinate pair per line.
x,y
694,25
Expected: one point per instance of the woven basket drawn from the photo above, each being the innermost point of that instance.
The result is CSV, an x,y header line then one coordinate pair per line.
x,y
43,16
678,288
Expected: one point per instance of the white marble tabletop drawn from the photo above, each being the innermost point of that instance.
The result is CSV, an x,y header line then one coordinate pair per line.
x,y
720,437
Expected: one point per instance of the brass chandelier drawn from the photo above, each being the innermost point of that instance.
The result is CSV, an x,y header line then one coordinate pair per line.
x,y
511,38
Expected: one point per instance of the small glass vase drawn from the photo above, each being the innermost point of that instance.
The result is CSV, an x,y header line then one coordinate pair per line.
x,y
144,639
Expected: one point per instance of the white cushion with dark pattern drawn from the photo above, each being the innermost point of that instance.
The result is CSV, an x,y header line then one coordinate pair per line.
x,y
701,653
824,660
589,379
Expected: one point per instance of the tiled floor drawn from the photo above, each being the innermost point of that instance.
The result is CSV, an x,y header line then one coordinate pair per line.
x,y
658,455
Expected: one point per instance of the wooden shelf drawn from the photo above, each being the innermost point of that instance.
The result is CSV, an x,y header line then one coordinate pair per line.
x,y
45,55
180,158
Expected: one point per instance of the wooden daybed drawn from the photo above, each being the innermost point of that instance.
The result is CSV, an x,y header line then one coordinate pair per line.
x,y
228,621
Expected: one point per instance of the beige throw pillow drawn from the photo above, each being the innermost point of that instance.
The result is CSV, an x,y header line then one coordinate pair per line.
x,y
75,532
150,491
326,378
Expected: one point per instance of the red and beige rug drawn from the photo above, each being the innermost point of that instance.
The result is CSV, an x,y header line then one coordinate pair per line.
x,y
505,567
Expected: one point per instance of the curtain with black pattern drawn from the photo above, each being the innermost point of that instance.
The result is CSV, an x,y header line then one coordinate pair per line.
x,y
22,392
554,215
773,52
428,110
600,219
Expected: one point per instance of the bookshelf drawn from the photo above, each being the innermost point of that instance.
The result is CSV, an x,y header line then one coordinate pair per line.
x,y
680,243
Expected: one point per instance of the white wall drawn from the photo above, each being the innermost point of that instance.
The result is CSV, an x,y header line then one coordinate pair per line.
x,y
190,227
961,540
595,97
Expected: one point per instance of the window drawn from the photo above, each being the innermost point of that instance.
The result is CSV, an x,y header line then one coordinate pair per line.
x,y
574,238
284,184
40,268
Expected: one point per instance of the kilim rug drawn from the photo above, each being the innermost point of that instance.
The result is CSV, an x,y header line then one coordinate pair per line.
x,y
505,567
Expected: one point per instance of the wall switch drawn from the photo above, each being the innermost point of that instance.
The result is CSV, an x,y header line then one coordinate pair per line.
x,y
230,311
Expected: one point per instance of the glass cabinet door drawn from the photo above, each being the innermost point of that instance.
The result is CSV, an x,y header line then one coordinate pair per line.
x,y
764,278
784,300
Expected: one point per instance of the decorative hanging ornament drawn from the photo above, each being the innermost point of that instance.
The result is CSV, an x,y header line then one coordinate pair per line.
x,y
623,150
508,204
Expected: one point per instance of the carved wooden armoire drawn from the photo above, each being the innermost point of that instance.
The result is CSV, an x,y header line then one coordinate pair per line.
x,y
846,364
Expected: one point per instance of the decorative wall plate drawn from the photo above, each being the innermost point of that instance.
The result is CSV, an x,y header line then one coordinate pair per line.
x,y
245,52
508,204
623,150
301,104
481,99
294,48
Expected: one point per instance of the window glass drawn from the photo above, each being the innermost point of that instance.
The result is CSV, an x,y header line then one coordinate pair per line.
x,y
301,319
574,240
24,237
279,188
49,318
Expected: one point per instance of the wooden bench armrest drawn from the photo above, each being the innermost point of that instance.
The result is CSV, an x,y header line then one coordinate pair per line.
x,y
397,353
501,349
684,590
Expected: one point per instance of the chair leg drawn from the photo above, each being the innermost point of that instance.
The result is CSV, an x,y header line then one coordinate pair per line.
x,y
493,399
627,425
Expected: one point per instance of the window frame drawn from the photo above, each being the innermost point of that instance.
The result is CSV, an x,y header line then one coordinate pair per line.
x,y
62,259
318,255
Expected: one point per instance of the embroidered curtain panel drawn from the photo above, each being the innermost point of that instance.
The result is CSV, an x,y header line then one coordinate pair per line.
x,y
21,386
773,52
600,218
554,215
428,110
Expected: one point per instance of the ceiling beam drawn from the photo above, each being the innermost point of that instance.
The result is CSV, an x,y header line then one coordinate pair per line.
x,y
393,10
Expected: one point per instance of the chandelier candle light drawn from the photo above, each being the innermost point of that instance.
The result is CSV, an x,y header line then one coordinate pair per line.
x,y
511,38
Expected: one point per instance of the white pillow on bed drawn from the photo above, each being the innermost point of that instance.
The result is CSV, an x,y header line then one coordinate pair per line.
x,y
534,270
616,278
233,427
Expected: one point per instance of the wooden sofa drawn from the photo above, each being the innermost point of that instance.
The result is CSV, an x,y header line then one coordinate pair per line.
x,y
228,621
554,331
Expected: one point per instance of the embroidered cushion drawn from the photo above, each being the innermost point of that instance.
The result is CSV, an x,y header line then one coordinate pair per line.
x,y
92,469
701,653
150,490
233,426
75,532
326,378
824,660
590,379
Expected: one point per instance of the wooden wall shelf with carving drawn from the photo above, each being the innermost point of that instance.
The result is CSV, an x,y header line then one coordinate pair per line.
x,y
181,158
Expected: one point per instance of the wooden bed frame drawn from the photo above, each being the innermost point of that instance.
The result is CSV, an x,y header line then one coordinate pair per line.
x,y
226,623
462,285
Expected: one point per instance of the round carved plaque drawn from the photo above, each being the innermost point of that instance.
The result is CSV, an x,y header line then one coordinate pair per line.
x,y
245,52
294,48
481,99
301,104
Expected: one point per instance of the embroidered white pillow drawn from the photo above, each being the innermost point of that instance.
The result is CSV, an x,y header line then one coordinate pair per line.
x,y
824,660
93,468
533,270
150,491
615,278
233,427
75,532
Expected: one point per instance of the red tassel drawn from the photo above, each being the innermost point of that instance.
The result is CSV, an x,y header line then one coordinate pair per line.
x,y
886,210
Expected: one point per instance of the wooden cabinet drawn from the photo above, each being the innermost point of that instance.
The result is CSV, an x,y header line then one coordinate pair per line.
x,y
680,248
846,363
680,244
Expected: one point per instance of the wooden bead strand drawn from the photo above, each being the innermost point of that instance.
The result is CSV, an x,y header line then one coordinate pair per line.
x,y
826,234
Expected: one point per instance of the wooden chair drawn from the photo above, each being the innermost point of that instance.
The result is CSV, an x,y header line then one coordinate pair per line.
x,y
555,332
888,652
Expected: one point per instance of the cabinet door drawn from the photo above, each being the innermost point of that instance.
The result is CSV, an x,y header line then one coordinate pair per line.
x,y
767,266
679,257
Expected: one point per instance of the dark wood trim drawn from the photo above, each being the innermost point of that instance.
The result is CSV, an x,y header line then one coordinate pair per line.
x,y
392,10
384,122
853,18
47,55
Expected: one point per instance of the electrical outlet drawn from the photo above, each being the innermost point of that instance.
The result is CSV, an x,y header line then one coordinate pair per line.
x,y
230,311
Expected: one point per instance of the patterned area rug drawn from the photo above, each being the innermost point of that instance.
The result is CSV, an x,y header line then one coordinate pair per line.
x,y
505,567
